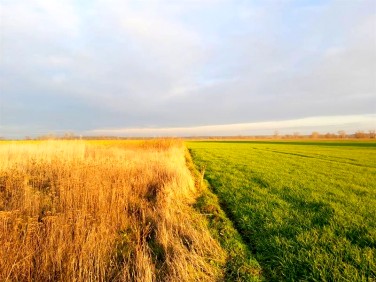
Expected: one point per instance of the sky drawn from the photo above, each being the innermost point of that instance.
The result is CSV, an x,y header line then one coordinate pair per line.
x,y
187,67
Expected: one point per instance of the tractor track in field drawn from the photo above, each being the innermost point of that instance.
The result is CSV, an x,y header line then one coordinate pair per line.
x,y
317,158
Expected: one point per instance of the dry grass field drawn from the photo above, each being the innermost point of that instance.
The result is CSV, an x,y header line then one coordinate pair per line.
x,y
101,211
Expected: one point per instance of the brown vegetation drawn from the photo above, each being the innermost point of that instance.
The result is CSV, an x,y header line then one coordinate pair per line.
x,y
84,211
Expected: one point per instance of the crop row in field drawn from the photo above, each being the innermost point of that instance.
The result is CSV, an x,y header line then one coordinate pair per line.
x,y
306,210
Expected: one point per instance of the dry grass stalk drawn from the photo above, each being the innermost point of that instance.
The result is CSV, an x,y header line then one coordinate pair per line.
x,y
86,211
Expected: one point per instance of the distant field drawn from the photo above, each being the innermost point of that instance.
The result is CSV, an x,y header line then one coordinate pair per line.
x,y
307,210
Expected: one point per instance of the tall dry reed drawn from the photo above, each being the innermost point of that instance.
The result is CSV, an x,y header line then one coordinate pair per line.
x,y
86,211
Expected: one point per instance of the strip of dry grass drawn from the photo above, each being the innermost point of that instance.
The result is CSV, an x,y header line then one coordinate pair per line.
x,y
86,211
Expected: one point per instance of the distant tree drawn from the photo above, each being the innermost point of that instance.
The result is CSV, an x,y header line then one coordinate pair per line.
x,y
372,134
342,134
315,135
276,134
49,136
69,135
296,135
360,134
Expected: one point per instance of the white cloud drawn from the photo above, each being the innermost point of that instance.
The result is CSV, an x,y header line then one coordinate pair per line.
x,y
59,78
304,126
40,19
179,63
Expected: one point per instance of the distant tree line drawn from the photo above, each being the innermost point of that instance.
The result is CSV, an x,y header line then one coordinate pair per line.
x,y
341,134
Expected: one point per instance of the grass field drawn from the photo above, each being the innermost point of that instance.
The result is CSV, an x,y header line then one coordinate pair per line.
x,y
307,210
102,211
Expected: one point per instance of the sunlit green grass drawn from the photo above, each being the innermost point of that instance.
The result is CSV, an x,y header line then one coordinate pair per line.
x,y
306,210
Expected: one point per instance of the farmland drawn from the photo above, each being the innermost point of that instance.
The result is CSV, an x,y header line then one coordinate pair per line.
x,y
306,210
115,210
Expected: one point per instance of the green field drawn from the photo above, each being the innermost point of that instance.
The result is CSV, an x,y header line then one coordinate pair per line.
x,y
306,210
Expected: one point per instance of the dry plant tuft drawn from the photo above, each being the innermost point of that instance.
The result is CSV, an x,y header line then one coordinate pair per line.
x,y
86,211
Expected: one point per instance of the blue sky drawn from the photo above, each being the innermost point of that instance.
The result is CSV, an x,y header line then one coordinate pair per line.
x,y
186,67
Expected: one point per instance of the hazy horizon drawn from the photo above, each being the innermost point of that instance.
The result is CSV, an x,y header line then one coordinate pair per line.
x,y
180,68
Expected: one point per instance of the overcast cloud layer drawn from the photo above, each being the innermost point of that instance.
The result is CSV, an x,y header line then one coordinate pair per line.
x,y
116,66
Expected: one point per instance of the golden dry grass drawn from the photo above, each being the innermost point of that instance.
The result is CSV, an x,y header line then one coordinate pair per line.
x,y
92,211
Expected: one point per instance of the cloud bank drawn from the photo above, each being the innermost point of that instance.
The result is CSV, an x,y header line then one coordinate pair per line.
x,y
87,65
302,126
